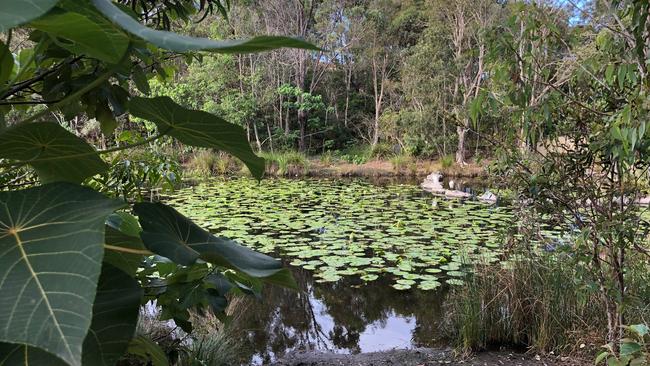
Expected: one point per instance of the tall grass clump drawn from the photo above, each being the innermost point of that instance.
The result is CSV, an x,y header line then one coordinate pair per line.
x,y
206,163
447,161
403,163
533,301
286,163
381,150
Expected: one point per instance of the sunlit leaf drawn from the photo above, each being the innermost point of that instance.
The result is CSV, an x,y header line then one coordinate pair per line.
x,y
17,12
80,34
180,43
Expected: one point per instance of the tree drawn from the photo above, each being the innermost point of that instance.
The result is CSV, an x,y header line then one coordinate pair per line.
x,y
75,265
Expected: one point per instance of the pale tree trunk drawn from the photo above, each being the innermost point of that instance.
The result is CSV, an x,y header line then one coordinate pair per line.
x,y
378,83
461,150
257,138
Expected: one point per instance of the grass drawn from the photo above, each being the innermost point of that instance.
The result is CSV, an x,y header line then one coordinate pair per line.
x,y
534,302
206,163
404,164
447,161
286,163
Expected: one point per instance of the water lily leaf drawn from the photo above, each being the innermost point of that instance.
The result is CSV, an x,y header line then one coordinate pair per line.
x,y
181,43
55,153
115,314
170,234
17,12
51,246
197,128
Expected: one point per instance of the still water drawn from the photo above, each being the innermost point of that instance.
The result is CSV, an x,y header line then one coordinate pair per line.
x,y
348,316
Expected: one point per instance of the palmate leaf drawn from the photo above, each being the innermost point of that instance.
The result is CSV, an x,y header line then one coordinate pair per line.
x,y
115,315
55,153
180,43
51,247
168,233
17,12
197,128
81,34
20,354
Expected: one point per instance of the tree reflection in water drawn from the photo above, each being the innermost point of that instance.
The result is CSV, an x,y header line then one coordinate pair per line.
x,y
347,316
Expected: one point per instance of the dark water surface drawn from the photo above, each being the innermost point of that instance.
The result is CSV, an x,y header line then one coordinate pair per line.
x,y
348,316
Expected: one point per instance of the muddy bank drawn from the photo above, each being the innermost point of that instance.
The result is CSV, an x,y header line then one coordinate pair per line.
x,y
383,168
421,357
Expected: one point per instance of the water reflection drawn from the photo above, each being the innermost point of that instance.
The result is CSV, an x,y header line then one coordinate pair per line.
x,y
344,317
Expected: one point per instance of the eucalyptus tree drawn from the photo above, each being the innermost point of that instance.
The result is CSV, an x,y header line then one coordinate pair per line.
x,y
75,265
587,125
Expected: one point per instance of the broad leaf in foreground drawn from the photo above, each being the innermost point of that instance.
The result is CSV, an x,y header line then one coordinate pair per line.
x,y
96,38
17,12
180,43
20,354
197,128
51,248
170,234
55,153
115,315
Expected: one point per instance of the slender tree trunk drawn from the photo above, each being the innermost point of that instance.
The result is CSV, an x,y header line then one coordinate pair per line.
x,y
268,130
461,150
257,138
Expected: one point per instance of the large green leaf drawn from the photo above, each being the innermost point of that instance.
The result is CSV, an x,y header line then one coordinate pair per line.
x,y
6,64
197,128
168,233
115,315
148,350
127,262
51,247
55,153
17,12
81,34
20,354
180,43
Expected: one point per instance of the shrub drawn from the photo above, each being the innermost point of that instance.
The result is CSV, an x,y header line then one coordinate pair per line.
x,y
381,150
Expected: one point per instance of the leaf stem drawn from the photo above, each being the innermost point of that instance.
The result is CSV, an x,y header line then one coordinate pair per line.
x,y
127,250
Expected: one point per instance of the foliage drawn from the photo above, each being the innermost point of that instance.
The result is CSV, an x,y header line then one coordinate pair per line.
x,y
634,350
76,264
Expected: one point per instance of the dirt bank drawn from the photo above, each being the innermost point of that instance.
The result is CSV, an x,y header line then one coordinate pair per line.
x,y
421,357
383,168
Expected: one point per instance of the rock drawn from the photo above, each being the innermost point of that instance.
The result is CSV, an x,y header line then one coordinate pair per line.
x,y
457,194
488,197
433,183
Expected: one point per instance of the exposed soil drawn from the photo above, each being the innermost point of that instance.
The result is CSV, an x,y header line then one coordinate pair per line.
x,y
384,168
422,357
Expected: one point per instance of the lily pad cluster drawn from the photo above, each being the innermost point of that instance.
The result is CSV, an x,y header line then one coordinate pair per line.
x,y
342,228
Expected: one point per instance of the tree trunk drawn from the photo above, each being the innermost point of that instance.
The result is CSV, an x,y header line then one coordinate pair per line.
x,y
302,123
460,152
257,138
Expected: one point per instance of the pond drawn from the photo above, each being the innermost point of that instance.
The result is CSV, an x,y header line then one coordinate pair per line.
x,y
373,261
